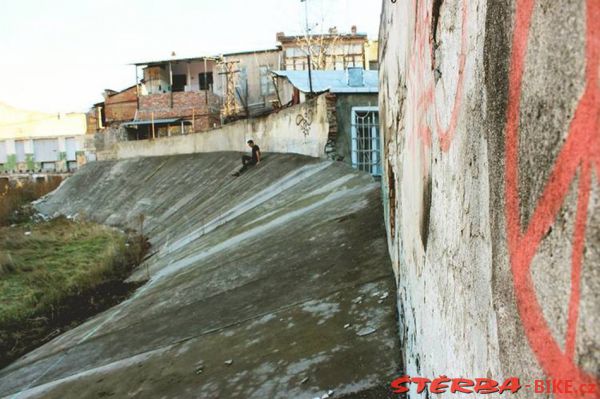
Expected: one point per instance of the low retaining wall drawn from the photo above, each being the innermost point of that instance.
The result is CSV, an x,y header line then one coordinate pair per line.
x,y
302,129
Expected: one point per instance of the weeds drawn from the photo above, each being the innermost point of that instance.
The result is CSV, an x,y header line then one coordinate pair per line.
x,y
59,271
7,264
14,195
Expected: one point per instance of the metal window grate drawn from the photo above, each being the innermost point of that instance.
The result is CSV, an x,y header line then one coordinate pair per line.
x,y
366,148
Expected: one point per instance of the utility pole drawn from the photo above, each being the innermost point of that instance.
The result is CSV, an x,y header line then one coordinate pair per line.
x,y
230,71
309,46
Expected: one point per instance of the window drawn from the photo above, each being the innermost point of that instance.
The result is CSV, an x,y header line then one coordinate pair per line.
x,y
266,82
366,150
179,82
20,150
205,80
3,154
46,150
242,83
72,146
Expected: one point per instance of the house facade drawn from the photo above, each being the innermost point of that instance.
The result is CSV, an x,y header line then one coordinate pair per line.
x,y
33,141
329,51
175,97
253,81
181,96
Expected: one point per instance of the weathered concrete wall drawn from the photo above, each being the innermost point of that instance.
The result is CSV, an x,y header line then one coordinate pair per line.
x,y
490,112
103,143
278,132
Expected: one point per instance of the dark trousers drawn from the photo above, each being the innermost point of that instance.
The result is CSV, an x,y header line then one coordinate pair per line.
x,y
247,161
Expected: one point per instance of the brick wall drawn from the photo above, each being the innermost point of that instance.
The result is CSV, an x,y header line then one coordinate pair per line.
x,y
122,106
184,105
91,118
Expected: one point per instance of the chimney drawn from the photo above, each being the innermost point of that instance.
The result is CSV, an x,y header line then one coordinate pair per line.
x,y
356,77
354,29
280,35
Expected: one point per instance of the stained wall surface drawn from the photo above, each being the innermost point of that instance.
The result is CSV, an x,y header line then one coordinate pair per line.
x,y
490,114
301,130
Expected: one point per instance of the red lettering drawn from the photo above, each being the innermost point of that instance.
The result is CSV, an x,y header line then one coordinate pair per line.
x,y
511,384
485,386
569,387
398,384
588,388
421,383
460,385
539,386
556,386
439,385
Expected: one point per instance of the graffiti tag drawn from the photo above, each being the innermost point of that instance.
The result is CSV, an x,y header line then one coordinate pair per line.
x,y
305,120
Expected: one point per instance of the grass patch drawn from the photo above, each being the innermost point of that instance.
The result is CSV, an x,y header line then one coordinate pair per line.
x,y
56,274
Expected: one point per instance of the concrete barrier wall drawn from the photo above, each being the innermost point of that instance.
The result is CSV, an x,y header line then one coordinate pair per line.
x,y
302,129
490,113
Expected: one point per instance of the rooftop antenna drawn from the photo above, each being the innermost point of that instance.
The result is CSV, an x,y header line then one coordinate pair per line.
x,y
309,46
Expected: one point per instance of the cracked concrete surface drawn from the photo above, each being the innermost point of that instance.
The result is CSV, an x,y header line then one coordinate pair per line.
x,y
263,270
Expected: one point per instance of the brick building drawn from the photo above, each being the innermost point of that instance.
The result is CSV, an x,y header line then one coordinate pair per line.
x,y
117,107
175,97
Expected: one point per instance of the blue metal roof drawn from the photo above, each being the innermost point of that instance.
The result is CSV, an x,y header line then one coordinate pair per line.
x,y
332,81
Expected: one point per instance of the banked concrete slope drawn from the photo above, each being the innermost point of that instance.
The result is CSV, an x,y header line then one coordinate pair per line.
x,y
266,270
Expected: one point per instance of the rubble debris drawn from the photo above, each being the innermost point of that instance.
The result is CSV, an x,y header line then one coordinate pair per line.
x,y
357,300
199,367
366,331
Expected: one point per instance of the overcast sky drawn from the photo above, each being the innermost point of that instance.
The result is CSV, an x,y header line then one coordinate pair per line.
x,y
60,55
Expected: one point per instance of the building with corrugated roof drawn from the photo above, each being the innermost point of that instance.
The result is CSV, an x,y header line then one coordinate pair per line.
x,y
352,97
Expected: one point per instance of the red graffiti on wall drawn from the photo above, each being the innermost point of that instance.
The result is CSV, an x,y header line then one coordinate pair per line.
x,y
579,157
422,77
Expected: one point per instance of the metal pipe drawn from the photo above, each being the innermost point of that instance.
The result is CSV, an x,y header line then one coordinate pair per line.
x,y
153,133
137,88
171,82
205,81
